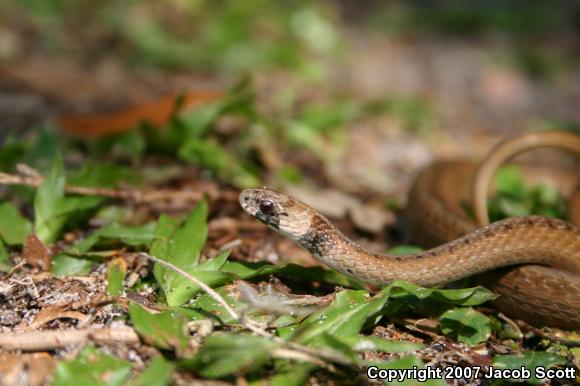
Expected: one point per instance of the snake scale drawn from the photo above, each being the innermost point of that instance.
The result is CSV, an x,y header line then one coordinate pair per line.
x,y
533,262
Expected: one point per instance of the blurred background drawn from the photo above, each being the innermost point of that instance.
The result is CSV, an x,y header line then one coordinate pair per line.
x,y
353,94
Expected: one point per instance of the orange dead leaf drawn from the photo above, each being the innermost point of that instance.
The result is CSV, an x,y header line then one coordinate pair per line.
x,y
156,113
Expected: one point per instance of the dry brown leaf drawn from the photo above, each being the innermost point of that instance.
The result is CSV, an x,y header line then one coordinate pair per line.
x,y
156,113
49,314
36,254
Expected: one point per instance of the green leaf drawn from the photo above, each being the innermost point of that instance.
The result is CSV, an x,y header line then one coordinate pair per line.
x,y
402,250
92,367
136,236
531,361
374,343
463,296
4,258
115,276
14,228
182,247
158,373
225,354
182,289
189,239
509,180
207,306
295,375
49,204
66,265
345,316
470,326
165,330
352,309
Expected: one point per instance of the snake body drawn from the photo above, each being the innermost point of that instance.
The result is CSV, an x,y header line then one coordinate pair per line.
x,y
543,288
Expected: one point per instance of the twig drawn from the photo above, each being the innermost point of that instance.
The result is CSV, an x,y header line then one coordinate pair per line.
x,y
55,339
550,337
135,195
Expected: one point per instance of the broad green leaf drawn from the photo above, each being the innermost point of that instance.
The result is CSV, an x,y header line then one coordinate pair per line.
x,y
165,228
92,367
182,247
157,373
531,361
470,326
463,296
225,354
189,239
216,263
165,330
14,228
49,204
182,289
65,265
139,235
345,316
207,306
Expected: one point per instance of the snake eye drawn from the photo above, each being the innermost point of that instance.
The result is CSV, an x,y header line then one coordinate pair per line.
x,y
267,207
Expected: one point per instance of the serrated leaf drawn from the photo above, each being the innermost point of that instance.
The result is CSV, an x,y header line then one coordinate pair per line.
x,y
14,228
92,367
530,360
470,326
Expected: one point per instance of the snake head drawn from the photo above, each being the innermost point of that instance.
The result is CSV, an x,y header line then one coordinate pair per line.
x,y
282,213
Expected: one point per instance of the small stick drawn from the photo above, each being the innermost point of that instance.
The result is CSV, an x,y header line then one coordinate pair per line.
x,y
56,339
135,195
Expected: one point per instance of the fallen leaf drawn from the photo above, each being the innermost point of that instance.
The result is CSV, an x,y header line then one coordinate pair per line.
x,y
156,113
36,253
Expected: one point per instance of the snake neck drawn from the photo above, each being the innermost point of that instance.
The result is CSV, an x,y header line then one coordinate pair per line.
x,y
508,242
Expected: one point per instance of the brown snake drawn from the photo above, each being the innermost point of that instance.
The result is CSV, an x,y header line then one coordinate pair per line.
x,y
543,287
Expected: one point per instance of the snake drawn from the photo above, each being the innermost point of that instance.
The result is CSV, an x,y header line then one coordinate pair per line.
x,y
531,262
